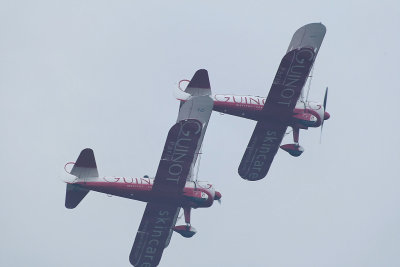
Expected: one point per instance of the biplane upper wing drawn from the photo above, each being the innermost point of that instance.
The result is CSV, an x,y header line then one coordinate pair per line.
x,y
177,157
293,72
153,234
288,83
282,98
310,35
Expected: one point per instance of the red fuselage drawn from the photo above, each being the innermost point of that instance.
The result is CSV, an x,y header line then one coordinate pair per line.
x,y
249,107
195,194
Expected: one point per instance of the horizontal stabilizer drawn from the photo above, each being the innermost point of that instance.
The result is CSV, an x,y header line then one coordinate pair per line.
x,y
74,195
85,166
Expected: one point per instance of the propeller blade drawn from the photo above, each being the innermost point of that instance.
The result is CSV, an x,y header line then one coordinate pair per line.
x,y
325,98
323,120
320,135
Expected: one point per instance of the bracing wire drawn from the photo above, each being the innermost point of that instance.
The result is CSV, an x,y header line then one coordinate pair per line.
x,y
179,216
198,163
289,132
309,83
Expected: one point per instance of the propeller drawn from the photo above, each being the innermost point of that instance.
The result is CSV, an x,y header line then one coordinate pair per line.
x,y
323,119
325,98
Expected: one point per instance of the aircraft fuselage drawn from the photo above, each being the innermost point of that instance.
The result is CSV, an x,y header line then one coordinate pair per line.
x,y
305,115
195,194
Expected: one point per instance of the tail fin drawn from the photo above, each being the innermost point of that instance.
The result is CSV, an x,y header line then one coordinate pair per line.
x,y
200,84
84,168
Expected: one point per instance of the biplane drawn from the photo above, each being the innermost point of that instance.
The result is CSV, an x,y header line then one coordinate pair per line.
x,y
285,105
173,187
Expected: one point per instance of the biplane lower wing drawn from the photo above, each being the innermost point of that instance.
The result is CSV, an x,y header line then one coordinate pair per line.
x,y
261,150
153,235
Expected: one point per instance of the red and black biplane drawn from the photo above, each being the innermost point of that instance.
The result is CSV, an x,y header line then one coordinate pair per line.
x,y
283,107
173,187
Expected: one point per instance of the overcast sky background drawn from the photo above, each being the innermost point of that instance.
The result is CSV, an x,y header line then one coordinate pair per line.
x,y
100,74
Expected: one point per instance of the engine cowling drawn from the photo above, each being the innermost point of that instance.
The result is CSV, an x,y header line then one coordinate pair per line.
x,y
196,196
306,119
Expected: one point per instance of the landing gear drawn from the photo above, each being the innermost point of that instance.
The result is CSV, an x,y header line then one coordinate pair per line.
x,y
186,211
186,230
294,149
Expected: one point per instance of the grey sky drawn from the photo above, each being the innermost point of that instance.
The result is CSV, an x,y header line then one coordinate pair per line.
x,y
100,74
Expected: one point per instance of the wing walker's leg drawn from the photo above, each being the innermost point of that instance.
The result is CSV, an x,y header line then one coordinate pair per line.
x,y
186,211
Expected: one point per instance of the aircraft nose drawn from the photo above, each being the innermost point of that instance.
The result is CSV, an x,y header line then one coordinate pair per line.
x,y
326,115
